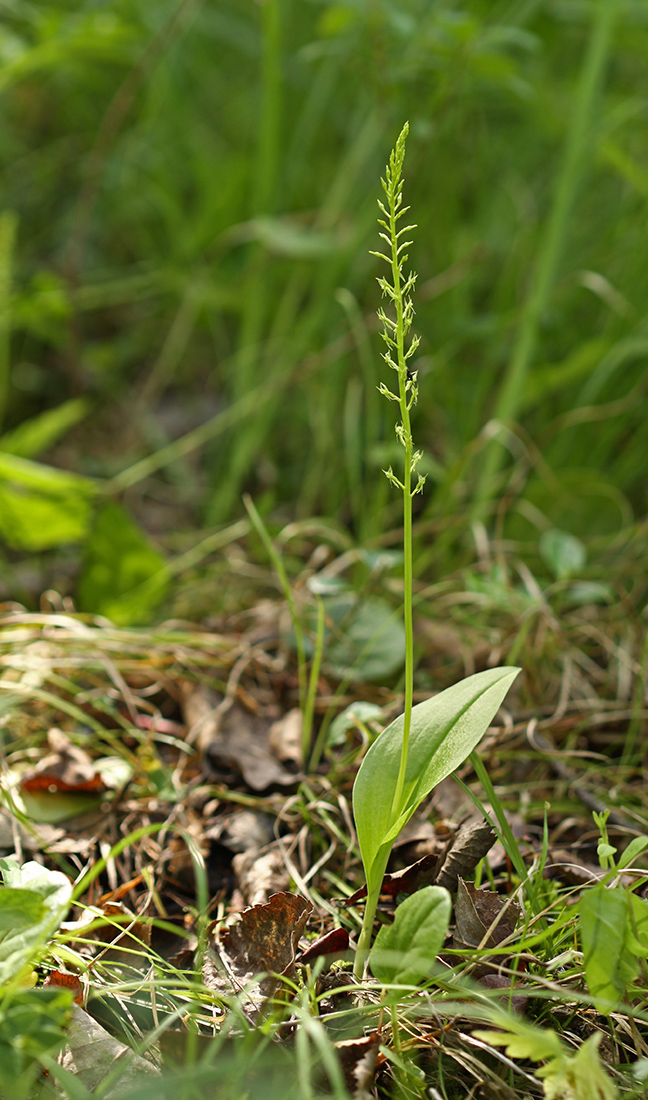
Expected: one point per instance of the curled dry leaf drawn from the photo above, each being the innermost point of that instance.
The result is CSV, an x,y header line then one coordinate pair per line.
x,y
459,857
264,941
470,843
358,1060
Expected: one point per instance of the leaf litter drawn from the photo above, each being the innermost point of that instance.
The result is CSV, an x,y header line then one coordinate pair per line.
x,y
204,726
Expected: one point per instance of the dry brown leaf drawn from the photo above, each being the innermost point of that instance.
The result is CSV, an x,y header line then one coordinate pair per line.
x,y
358,1059
199,712
263,941
260,874
285,738
482,917
241,830
241,750
470,843
333,943
65,768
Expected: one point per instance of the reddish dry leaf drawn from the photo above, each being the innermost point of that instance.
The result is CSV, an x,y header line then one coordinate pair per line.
x,y
66,768
263,941
459,857
334,943
66,981
407,881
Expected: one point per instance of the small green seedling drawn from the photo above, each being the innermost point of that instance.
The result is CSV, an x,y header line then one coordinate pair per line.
x,y
613,925
427,742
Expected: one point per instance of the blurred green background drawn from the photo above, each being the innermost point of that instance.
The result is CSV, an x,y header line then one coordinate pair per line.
x,y
187,295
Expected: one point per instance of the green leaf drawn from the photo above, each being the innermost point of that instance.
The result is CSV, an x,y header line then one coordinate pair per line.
x,y
563,553
612,923
123,576
32,1023
34,521
349,718
444,731
636,846
405,951
579,1076
522,1040
33,902
41,506
365,640
38,434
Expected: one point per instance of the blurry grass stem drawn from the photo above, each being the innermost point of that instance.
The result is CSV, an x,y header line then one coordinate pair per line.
x,y
575,156
307,685
8,223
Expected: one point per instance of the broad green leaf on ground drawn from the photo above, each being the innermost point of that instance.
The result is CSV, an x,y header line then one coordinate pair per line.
x,y
123,576
444,731
563,553
33,902
32,1023
405,951
614,932
364,638
41,506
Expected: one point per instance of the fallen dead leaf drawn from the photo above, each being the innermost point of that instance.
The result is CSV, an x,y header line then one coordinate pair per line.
x,y
260,874
285,739
199,705
482,917
66,768
241,751
264,941
92,1054
64,980
333,943
470,843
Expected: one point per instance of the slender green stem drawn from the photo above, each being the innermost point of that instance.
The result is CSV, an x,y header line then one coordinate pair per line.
x,y
373,894
400,348
407,508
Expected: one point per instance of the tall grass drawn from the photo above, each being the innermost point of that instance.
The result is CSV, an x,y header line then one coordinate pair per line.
x,y
194,186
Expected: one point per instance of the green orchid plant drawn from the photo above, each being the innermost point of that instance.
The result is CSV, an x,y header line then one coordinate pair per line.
x,y
427,742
